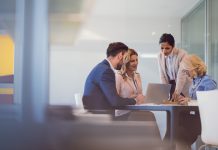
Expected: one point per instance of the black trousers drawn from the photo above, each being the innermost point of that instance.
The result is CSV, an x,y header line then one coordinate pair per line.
x,y
173,87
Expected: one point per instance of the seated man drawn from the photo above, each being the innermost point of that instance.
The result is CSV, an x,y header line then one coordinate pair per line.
x,y
100,94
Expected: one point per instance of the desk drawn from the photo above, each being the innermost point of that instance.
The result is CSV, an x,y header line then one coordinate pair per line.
x,y
173,112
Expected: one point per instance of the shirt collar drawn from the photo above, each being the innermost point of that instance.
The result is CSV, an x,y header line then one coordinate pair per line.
x,y
197,79
170,55
111,66
130,77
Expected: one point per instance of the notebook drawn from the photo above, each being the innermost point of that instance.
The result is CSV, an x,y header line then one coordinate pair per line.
x,y
157,92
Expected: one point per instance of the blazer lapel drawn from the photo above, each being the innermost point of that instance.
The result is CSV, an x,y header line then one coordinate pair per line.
x,y
175,60
163,62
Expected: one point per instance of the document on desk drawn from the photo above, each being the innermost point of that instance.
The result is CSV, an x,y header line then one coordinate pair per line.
x,y
193,103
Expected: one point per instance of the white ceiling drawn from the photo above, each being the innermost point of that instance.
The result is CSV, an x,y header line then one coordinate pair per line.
x,y
151,8
131,20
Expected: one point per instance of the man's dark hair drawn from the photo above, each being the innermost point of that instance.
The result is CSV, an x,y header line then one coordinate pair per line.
x,y
115,48
167,38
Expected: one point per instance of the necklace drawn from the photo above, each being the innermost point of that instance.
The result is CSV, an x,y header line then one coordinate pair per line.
x,y
132,82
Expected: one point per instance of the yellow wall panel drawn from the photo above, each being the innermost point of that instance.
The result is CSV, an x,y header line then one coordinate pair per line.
x,y
6,91
6,55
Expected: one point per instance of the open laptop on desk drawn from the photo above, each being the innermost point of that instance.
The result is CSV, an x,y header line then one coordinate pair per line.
x,y
157,92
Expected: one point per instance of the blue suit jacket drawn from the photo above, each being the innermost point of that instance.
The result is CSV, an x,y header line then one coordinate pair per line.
x,y
100,89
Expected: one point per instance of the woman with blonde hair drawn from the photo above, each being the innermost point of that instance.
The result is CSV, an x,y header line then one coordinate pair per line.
x,y
129,85
128,80
196,69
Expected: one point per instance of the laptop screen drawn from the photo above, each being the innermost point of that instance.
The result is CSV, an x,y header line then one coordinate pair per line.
x,y
157,92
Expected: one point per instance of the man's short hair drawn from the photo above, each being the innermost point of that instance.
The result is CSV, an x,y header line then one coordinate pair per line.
x,y
115,48
167,38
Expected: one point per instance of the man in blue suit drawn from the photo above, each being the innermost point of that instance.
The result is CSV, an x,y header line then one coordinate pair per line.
x,y
100,94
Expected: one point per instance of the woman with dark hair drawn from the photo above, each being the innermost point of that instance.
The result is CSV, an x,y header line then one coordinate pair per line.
x,y
169,60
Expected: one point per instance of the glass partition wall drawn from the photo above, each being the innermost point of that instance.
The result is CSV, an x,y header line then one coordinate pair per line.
x,y
199,34
193,30
213,38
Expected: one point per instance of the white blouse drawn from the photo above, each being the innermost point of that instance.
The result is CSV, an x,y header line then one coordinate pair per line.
x,y
128,88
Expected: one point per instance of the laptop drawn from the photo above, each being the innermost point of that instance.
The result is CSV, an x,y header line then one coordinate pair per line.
x,y
157,92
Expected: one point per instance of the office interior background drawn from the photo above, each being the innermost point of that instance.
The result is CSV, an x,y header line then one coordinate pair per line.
x,y
48,47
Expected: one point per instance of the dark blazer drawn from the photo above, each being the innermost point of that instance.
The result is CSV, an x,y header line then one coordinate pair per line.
x,y
100,89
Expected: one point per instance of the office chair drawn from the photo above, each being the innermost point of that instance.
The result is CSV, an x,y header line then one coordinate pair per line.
x,y
208,108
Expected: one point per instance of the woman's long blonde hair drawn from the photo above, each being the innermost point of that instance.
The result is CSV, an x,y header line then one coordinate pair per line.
x,y
194,62
126,62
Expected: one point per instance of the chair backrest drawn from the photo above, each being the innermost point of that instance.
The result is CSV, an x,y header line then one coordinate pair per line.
x,y
208,108
78,101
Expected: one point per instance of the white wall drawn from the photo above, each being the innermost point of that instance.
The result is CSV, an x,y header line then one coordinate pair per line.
x,y
69,67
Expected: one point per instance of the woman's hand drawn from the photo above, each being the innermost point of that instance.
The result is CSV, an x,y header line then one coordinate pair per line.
x,y
180,99
183,100
140,99
175,96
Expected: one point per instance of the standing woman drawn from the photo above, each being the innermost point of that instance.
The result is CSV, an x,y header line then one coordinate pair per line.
x,y
169,60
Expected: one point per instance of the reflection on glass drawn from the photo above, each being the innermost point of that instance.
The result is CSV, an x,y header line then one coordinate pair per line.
x,y
213,51
193,31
